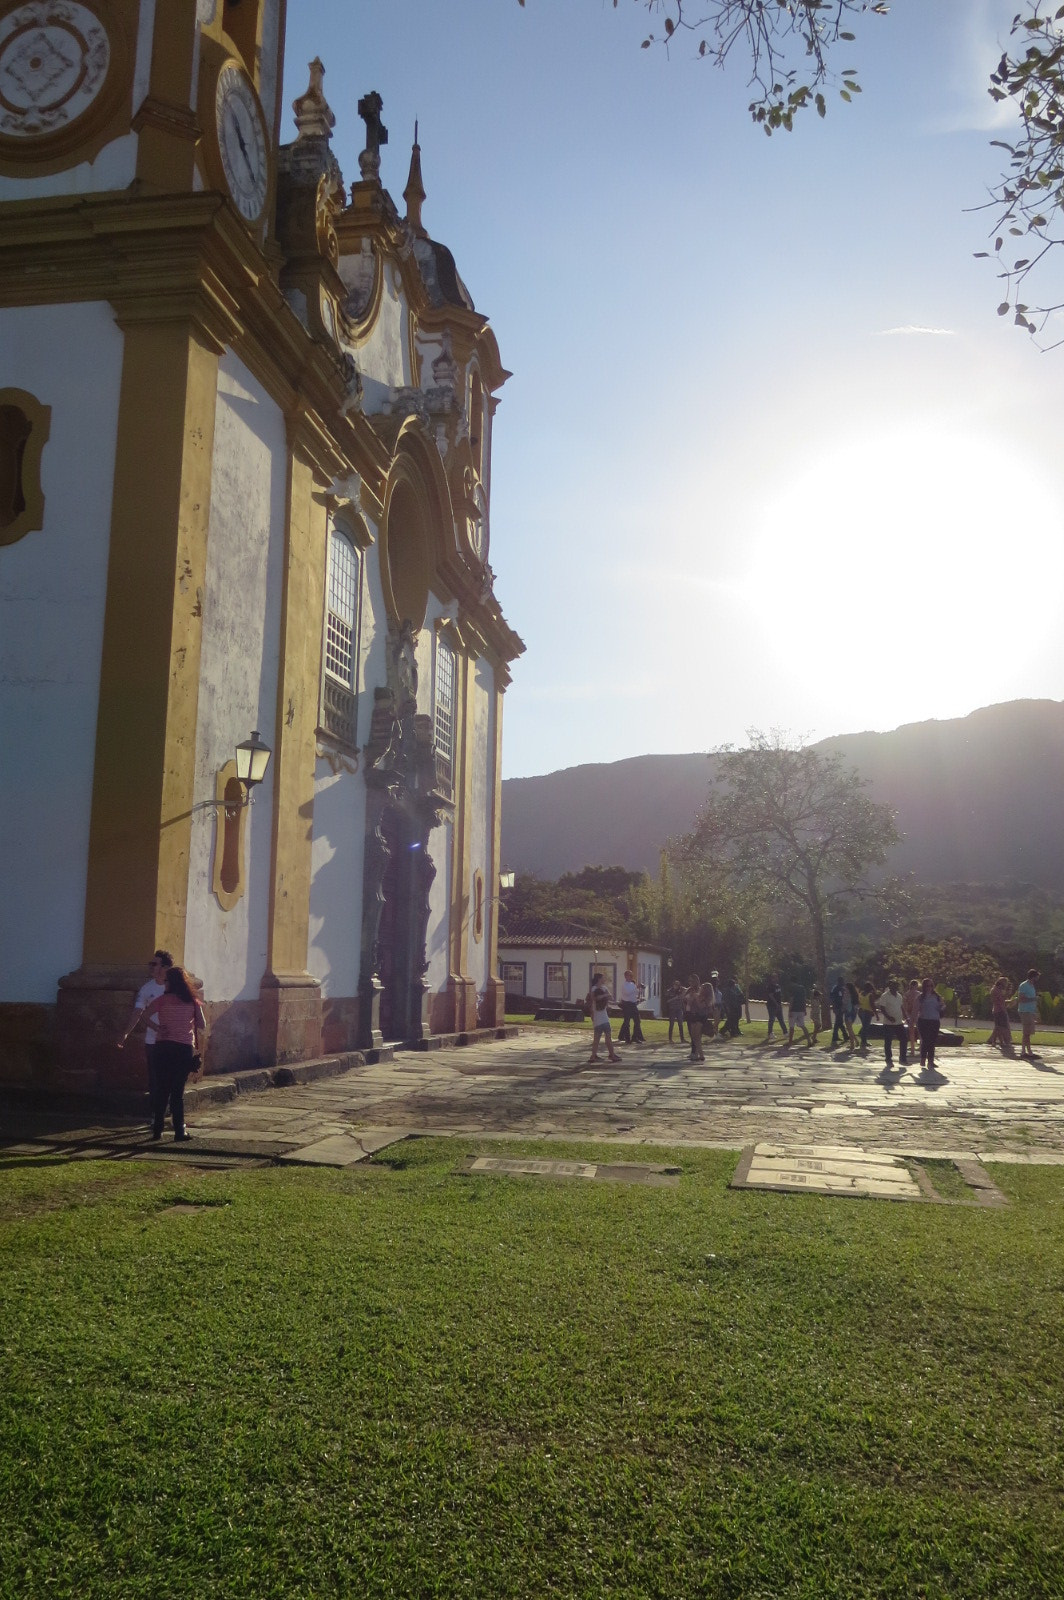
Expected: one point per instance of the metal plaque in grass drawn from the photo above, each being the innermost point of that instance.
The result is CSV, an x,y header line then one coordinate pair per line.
x,y
644,1172
862,1174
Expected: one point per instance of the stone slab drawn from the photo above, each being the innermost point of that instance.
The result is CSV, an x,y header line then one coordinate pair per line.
x,y
342,1149
846,1171
643,1172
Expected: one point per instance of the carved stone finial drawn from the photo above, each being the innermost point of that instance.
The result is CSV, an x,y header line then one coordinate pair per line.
x,y
414,193
314,117
369,109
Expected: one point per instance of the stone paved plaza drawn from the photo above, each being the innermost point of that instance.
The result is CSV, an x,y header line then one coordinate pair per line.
x,y
539,1085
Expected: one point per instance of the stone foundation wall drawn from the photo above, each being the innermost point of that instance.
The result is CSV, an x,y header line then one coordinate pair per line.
x,y
339,1024
28,1045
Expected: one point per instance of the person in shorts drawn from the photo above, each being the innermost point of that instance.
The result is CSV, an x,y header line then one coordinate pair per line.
x,y
796,1014
1027,1005
600,1019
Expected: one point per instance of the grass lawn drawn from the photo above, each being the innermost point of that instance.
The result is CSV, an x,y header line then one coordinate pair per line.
x,y
398,1381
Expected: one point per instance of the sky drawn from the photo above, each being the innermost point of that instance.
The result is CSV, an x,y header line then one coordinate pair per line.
x,y
768,457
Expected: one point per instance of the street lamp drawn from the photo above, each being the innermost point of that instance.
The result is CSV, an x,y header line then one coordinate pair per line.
x,y
252,759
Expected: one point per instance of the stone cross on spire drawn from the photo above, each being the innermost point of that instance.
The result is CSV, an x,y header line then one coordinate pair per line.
x,y
369,109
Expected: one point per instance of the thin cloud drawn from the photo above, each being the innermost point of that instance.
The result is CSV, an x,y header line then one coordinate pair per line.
x,y
910,328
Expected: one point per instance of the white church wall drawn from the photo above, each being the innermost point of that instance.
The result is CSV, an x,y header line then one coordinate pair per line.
x,y
337,859
384,359
115,166
239,664
441,841
269,61
52,595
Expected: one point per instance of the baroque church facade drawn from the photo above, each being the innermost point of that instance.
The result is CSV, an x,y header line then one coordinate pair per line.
x,y
245,443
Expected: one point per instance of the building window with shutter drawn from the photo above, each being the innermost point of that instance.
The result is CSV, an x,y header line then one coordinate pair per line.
x,y
444,715
343,613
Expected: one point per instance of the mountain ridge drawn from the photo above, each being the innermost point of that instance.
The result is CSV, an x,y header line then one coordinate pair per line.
x,y
978,798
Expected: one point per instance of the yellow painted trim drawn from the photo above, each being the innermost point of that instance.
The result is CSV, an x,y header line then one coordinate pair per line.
x,y
305,555
166,124
496,833
39,417
143,787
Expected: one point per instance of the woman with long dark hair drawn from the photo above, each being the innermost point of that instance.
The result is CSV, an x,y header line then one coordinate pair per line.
x,y
177,1017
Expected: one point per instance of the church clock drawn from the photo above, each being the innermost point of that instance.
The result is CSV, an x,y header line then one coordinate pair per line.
x,y
240,131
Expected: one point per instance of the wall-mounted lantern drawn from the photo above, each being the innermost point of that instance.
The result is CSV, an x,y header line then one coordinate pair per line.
x,y
252,759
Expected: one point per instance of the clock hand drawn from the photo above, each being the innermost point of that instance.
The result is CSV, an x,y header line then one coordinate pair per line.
x,y
244,150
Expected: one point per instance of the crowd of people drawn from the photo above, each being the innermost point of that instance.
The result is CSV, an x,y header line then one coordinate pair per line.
x,y
912,1018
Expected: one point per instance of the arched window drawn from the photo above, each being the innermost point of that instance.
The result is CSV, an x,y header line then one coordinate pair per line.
x,y
343,616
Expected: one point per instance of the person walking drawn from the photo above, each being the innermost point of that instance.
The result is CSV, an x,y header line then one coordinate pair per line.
x,y
851,1001
1027,1005
910,1004
674,1007
160,962
816,1011
600,1019
1001,1033
929,1021
796,1015
733,1006
889,1005
714,1011
866,1011
837,996
695,1016
177,1017
774,1002
631,1028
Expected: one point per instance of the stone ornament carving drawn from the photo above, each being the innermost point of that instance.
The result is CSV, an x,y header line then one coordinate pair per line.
x,y
328,204
338,760
54,60
404,665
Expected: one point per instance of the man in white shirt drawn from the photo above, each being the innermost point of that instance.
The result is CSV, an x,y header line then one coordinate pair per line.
x,y
160,961
631,1028
891,1008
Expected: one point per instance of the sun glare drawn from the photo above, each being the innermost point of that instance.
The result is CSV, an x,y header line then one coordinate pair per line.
x,y
931,563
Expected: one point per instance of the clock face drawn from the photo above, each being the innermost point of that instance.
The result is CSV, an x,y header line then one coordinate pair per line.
x,y
54,57
242,143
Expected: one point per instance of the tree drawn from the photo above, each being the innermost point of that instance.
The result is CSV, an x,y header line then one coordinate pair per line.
x,y
792,830
1030,198
775,36
769,34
